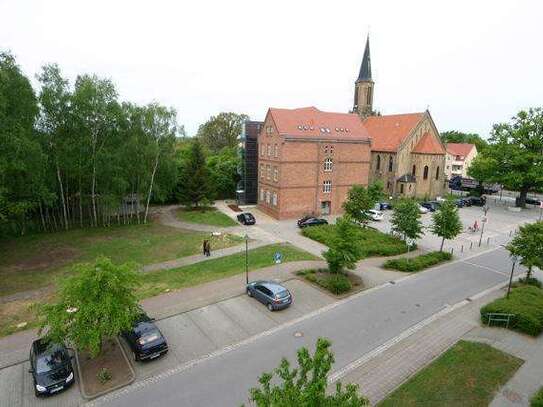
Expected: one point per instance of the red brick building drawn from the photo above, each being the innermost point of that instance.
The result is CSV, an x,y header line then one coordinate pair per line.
x,y
308,160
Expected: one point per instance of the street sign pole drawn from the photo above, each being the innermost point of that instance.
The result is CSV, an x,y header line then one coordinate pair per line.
x,y
246,258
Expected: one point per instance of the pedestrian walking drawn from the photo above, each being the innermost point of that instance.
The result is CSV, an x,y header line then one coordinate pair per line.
x,y
208,248
204,247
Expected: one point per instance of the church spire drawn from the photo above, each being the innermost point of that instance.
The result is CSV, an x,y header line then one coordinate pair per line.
x,y
365,68
363,87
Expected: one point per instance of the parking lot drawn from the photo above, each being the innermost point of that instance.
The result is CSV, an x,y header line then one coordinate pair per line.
x,y
190,335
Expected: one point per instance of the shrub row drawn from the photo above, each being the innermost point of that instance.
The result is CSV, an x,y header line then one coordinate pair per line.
x,y
526,305
537,399
372,241
335,283
417,263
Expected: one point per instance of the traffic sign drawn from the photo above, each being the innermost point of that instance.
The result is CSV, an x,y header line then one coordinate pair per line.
x,y
277,257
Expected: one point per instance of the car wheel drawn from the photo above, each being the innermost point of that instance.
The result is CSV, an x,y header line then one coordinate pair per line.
x,y
249,293
136,357
270,306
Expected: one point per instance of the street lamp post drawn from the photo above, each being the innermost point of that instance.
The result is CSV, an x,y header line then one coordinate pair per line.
x,y
246,259
513,261
483,221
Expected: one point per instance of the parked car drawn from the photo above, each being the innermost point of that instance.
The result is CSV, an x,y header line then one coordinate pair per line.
x,y
375,215
273,295
304,218
532,201
477,200
303,223
460,203
145,339
51,367
382,206
432,206
246,218
423,209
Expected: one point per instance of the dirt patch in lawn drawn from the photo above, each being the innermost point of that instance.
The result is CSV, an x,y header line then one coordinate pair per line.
x,y
114,360
235,208
45,258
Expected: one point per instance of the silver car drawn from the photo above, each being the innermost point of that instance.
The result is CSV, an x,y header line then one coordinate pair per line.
x,y
273,295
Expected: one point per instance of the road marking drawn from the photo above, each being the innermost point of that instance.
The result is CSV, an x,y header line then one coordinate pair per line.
x,y
485,268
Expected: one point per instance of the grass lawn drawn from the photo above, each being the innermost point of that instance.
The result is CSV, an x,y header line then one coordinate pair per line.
x,y
206,216
468,374
156,282
372,241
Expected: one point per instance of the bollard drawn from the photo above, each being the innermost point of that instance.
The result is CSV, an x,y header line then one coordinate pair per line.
x,y
471,245
452,250
462,249
487,241
510,233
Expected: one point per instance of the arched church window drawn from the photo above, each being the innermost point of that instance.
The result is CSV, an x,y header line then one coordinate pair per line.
x,y
414,170
390,162
425,175
437,173
378,162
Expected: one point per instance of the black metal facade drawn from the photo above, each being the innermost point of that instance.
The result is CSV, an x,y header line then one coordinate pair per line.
x,y
247,190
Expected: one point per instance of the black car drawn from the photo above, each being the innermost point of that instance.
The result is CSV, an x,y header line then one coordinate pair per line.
x,y
51,367
477,200
432,206
145,339
384,206
532,201
246,218
460,203
303,223
273,295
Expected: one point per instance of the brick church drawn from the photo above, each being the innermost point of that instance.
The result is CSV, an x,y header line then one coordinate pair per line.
x,y
309,159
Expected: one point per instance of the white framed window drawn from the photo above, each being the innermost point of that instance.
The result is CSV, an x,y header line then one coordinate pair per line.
x,y
261,171
274,199
267,197
276,151
327,187
275,174
269,150
269,130
268,172
261,194
328,164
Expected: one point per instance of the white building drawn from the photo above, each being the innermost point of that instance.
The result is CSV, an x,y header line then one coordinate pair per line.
x,y
459,158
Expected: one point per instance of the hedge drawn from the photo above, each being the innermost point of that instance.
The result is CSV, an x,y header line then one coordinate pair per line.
x,y
537,399
417,263
526,305
335,283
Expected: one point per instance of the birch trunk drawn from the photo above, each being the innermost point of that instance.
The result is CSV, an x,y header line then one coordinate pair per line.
x,y
62,198
151,186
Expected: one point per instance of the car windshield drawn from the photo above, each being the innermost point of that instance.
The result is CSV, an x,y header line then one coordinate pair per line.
x,y
51,360
149,336
282,294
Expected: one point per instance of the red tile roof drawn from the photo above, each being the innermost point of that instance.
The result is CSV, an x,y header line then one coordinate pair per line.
x,y
462,149
428,144
388,132
310,122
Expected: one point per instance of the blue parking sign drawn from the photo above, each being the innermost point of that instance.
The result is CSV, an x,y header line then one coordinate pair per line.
x,y
277,257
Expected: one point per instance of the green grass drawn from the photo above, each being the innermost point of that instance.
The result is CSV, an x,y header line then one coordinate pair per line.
x,y
372,242
335,283
417,263
37,260
525,303
468,375
537,399
206,216
158,281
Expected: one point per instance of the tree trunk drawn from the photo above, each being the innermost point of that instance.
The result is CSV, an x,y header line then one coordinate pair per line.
x,y
442,242
42,218
529,273
62,198
93,194
151,187
80,204
522,197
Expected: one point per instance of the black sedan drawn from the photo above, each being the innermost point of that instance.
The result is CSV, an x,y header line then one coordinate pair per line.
x,y
273,295
246,218
477,200
432,206
303,223
51,367
145,339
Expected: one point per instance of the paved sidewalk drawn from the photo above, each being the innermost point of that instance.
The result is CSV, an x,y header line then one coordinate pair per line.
x,y
381,374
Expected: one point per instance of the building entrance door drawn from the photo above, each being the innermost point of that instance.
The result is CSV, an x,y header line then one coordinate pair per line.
x,y
326,208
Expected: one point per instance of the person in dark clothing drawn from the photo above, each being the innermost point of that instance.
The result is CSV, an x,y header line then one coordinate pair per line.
x,y
208,248
204,247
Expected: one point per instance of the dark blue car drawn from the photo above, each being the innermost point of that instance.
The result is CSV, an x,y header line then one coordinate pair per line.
x,y
273,295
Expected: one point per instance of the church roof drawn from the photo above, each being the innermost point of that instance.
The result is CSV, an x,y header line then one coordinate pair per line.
x,y
388,132
461,149
310,122
365,67
428,144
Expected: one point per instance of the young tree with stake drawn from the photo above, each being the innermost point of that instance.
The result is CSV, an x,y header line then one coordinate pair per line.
x,y
528,246
406,220
360,200
446,222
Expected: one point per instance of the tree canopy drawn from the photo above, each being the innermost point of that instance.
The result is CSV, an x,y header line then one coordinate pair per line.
x,y
305,386
528,245
360,200
193,186
221,131
455,136
97,303
446,222
344,250
514,157
406,219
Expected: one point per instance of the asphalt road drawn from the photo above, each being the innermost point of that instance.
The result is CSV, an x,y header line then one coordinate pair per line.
x,y
355,327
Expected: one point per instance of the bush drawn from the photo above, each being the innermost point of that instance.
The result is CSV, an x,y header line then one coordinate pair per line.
x,y
335,283
104,375
537,399
372,242
417,263
528,281
526,305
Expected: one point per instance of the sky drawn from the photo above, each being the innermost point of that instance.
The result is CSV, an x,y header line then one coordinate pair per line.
x,y
471,63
